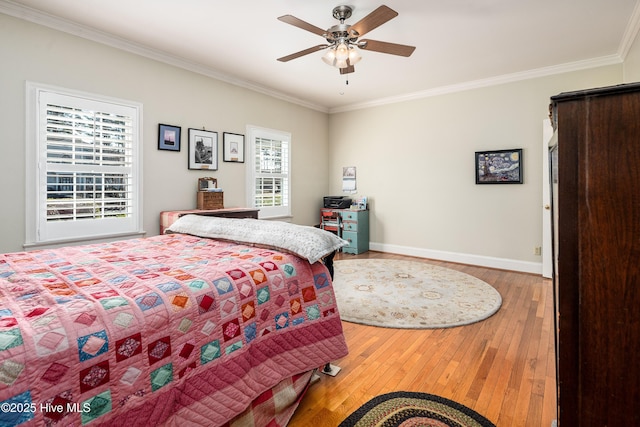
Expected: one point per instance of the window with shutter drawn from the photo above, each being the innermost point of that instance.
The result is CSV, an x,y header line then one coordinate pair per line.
x,y
270,174
85,166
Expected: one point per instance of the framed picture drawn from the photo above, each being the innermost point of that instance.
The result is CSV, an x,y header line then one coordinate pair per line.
x,y
349,179
168,137
232,147
203,149
499,167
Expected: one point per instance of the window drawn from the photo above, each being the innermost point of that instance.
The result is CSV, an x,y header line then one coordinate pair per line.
x,y
269,171
83,166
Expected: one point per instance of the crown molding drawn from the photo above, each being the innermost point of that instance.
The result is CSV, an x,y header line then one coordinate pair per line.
x,y
492,81
69,27
630,33
28,14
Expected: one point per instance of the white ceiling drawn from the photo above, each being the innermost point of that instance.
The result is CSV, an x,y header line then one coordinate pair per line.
x,y
459,43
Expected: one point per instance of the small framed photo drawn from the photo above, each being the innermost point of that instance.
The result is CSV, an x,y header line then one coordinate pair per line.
x,y
168,137
203,149
232,147
499,167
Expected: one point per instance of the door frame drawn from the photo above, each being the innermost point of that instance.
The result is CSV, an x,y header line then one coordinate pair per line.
x,y
547,260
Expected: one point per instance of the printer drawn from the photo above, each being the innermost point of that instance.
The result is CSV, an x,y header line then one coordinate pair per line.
x,y
337,202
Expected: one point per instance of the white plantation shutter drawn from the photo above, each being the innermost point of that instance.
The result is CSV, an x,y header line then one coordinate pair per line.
x,y
87,168
270,181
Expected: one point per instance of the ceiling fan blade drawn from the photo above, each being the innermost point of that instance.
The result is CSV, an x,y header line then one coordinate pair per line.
x,y
296,22
374,20
302,53
347,70
391,48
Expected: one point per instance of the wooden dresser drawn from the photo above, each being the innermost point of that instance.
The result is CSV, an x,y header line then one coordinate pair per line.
x,y
169,217
596,209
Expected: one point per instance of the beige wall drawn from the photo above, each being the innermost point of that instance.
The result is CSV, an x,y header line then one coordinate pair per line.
x,y
415,161
169,95
632,62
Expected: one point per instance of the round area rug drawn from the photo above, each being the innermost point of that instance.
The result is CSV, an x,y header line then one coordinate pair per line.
x,y
408,409
410,295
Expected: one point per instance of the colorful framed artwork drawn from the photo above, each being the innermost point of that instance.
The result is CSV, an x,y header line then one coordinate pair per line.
x,y
499,167
169,137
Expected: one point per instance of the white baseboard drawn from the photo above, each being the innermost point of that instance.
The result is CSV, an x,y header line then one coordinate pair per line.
x,y
483,261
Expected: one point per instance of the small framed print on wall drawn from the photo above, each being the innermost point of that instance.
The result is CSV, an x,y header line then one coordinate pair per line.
x,y
232,147
203,149
499,167
168,137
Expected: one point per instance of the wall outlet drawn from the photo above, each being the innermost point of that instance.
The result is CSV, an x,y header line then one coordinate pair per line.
x,y
537,250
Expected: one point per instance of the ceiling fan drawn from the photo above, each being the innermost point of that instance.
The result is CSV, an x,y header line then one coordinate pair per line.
x,y
342,39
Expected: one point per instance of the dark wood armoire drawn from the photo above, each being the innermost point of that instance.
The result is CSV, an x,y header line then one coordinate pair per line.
x,y
595,168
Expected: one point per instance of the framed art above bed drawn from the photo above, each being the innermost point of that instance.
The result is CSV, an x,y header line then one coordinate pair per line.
x,y
203,149
169,137
232,147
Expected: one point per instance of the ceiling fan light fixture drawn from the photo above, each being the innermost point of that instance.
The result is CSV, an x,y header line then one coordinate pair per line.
x,y
354,56
329,58
341,55
341,63
342,52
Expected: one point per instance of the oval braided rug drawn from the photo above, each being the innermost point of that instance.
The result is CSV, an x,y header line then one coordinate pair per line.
x,y
410,295
410,409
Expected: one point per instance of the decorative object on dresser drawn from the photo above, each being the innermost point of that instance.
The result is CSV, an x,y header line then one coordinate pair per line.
x,y
167,218
499,167
203,149
361,203
209,195
354,228
169,137
596,223
232,147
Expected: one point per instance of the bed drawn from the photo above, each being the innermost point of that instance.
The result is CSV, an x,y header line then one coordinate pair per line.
x,y
220,322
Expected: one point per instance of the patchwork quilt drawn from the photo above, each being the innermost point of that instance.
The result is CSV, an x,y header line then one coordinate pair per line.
x,y
166,330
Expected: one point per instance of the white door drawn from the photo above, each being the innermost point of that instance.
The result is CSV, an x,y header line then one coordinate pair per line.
x,y
547,266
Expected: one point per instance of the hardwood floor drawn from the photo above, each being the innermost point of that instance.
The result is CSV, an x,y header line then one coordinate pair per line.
x,y
503,367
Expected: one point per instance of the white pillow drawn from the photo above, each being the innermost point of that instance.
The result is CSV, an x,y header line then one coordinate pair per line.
x,y
306,242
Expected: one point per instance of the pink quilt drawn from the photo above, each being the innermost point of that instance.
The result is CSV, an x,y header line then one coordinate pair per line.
x,y
173,330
